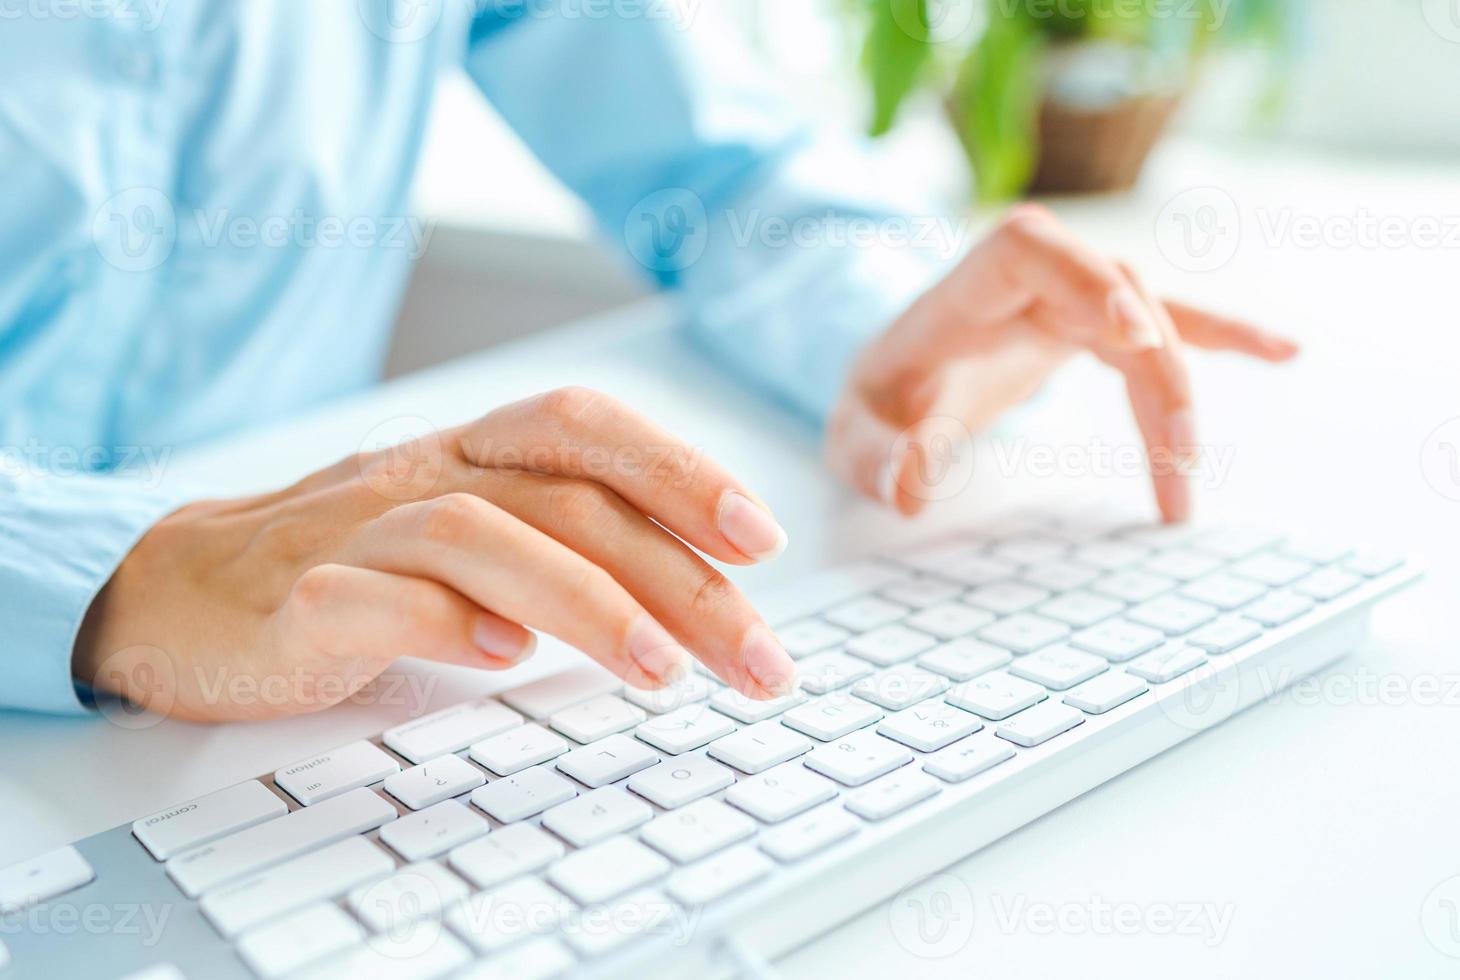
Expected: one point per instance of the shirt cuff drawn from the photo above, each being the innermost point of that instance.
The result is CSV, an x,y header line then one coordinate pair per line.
x,y
61,538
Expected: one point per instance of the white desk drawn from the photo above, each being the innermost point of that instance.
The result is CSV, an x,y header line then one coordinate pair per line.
x,y
1319,824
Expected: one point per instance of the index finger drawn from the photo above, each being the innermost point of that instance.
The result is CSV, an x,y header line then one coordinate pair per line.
x,y
580,433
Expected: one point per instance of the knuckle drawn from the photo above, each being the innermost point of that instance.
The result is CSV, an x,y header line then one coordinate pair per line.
x,y
714,594
569,403
316,589
1025,222
573,503
452,516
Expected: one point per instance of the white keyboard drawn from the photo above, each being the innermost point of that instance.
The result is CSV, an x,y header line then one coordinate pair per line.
x,y
574,826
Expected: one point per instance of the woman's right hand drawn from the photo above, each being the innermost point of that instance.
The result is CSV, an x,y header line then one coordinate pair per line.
x,y
565,513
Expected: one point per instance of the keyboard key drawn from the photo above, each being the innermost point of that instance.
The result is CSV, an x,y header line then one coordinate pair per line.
x,y
596,815
525,909
808,833
415,891
537,959
450,730
1182,564
892,794
1040,724
995,696
1226,592
1059,667
431,782
929,726
692,832
1225,634
964,659
1118,640
1133,585
1030,549
1061,576
642,912
1327,583
1080,609
1106,692
607,761
718,876
314,877
42,878
693,688
748,711
858,758
597,718
229,858
292,943
1024,632
966,759
1162,535
432,831
1232,544
1168,663
1006,598
677,782
832,716
865,614
900,687
1314,551
598,873
1172,614
401,957
922,592
780,793
975,569
524,794
340,770
545,697
519,749
505,854
684,729
950,620
825,672
759,747
808,636
1272,570
890,645
207,818
1372,564
1111,556
1277,608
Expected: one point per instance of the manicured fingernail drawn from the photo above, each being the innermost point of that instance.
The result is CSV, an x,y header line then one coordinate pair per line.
x,y
656,653
887,482
768,664
1135,319
1181,435
750,527
500,640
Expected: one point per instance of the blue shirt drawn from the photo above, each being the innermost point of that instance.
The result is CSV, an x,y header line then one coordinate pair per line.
x,y
205,226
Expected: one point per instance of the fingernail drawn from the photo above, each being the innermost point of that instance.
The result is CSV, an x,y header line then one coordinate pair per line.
x,y
1138,322
750,528
1181,435
887,481
768,664
499,640
656,653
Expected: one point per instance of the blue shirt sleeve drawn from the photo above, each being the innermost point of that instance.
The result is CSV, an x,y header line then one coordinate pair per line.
x,y
61,537
787,258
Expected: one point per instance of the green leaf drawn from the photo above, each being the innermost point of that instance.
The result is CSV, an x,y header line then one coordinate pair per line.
x,y
894,56
997,106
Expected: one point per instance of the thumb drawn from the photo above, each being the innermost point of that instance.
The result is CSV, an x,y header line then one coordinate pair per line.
x,y
906,466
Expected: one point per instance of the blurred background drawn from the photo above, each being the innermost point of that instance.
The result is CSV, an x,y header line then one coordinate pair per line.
x,y
1090,103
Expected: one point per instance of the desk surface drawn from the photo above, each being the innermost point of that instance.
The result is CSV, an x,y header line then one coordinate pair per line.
x,y
1306,838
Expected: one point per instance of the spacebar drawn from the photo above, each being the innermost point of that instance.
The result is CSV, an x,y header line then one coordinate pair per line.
x,y
280,839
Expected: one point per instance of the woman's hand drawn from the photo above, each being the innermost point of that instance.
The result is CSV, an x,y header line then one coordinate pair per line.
x,y
566,513
988,335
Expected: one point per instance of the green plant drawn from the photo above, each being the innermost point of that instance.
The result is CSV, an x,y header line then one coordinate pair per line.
x,y
995,85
